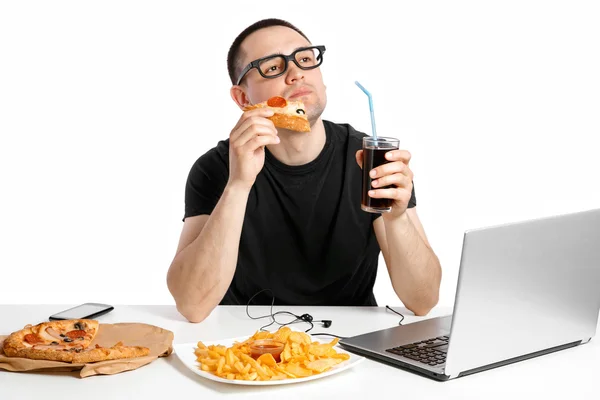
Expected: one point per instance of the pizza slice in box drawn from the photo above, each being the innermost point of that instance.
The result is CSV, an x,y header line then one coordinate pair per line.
x,y
67,341
287,114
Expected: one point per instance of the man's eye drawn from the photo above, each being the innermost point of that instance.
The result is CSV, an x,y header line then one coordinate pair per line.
x,y
271,70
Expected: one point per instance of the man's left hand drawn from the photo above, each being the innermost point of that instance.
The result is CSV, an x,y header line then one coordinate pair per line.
x,y
397,175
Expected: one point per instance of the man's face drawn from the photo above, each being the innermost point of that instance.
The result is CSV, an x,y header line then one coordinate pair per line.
x,y
295,84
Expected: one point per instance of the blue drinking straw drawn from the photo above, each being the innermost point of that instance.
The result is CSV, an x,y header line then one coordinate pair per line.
x,y
370,108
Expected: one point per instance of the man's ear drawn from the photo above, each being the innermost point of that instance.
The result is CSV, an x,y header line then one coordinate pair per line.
x,y
238,94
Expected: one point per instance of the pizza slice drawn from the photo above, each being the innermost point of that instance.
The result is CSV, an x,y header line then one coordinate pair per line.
x,y
65,340
288,114
52,336
116,352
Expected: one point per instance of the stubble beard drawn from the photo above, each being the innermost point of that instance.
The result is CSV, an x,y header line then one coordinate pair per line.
x,y
315,111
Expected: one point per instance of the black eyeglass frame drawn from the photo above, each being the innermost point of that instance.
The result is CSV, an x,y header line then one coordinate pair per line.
x,y
288,58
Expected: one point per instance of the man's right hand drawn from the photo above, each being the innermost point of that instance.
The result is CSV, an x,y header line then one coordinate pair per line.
x,y
247,143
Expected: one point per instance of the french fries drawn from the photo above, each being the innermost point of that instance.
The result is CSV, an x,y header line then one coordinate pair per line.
x,y
300,357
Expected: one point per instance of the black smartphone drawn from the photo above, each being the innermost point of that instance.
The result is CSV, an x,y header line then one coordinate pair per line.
x,y
83,311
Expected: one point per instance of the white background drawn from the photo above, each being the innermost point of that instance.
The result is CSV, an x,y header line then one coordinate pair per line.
x,y
104,107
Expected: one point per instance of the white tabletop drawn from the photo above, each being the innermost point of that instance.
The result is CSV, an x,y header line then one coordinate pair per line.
x,y
570,373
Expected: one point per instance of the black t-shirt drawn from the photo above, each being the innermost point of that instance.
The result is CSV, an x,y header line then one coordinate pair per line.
x,y
304,235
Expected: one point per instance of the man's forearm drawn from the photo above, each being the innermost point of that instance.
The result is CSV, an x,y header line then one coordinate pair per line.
x,y
202,272
414,268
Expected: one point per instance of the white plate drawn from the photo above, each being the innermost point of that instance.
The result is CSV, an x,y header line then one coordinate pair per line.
x,y
185,352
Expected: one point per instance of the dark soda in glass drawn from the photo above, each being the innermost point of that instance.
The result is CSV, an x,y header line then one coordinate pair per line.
x,y
374,151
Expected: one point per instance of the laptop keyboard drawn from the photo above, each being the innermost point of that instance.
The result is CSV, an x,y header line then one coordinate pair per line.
x,y
431,351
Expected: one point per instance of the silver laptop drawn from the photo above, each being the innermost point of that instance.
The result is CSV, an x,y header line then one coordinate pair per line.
x,y
525,289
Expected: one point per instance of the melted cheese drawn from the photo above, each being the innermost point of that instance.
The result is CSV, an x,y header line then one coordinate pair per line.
x,y
290,109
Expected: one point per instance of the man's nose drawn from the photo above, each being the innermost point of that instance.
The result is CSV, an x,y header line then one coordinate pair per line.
x,y
294,73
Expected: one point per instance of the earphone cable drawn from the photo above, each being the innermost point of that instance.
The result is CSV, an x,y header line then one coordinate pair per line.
x,y
305,318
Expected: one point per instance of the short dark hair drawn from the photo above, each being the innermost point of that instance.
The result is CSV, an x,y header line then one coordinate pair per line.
x,y
235,53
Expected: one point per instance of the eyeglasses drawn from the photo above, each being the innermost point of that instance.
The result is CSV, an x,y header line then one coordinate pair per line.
x,y
276,65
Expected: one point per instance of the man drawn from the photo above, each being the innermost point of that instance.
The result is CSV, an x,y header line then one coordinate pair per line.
x,y
274,209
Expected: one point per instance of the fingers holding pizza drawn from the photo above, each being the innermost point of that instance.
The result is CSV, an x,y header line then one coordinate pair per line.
x,y
255,130
247,141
